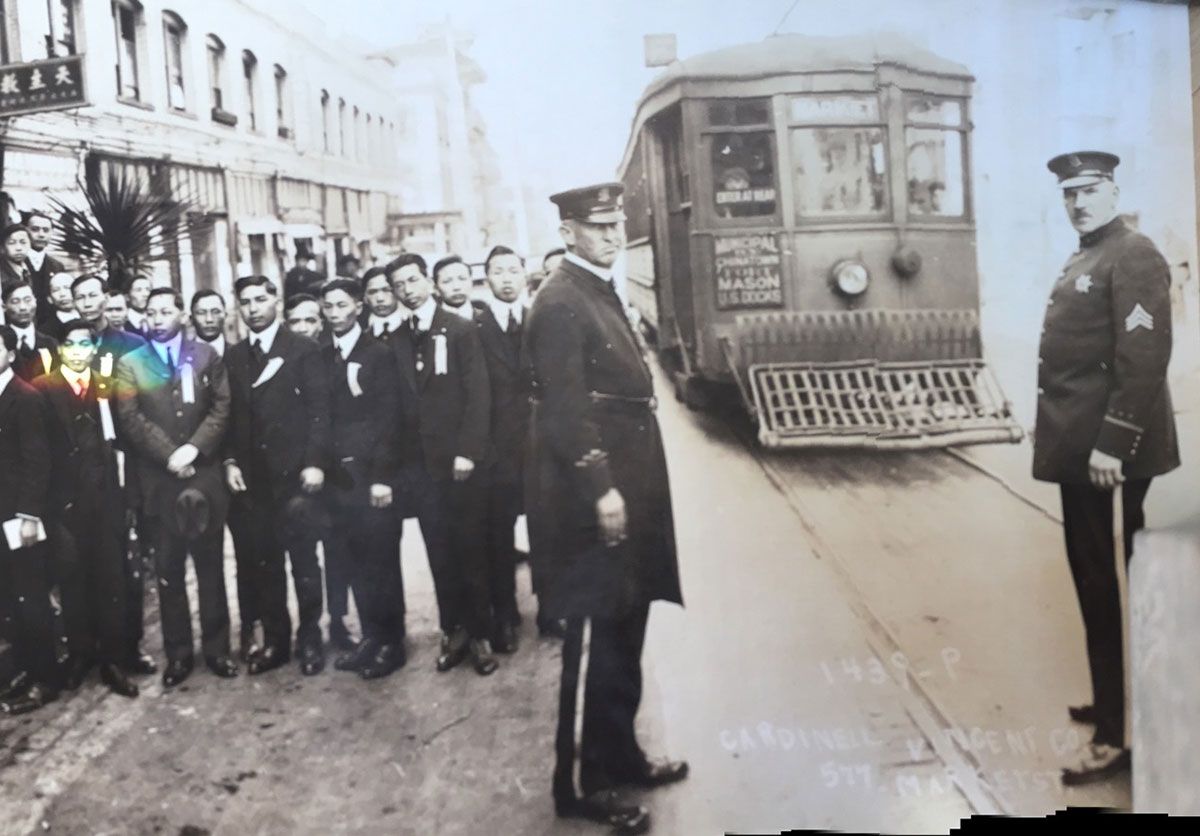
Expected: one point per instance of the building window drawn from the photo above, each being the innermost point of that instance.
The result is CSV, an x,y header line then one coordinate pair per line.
x,y
250,77
281,103
356,136
342,127
174,40
61,40
127,23
216,81
325,120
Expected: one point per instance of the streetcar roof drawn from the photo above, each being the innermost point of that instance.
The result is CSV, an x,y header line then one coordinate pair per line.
x,y
789,54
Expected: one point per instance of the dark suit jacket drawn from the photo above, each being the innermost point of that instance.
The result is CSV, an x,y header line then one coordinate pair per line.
x,y
452,409
73,434
282,423
24,452
366,428
31,362
155,421
115,343
509,384
10,276
40,279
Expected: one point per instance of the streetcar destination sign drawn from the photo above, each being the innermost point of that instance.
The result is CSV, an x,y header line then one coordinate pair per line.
x,y
748,271
37,86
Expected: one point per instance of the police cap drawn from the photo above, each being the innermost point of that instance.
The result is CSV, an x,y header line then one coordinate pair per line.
x,y
1083,168
599,204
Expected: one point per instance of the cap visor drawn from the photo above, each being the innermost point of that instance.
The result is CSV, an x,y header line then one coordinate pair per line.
x,y
615,216
1081,180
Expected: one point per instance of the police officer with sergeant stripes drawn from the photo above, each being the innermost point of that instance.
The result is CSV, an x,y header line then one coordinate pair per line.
x,y
1104,420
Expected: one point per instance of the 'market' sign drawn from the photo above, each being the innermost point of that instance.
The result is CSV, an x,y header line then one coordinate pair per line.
x,y
53,84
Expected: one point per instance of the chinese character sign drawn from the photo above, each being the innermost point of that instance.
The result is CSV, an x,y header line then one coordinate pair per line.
x,y
54,84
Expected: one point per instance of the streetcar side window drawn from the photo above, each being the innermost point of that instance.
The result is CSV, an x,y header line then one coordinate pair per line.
x,y
743,166
840,172
934,153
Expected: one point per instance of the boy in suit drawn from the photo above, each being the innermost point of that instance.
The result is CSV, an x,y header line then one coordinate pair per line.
x,y
37,353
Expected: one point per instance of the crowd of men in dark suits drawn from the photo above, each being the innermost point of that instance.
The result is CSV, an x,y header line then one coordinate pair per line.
x,y
133,429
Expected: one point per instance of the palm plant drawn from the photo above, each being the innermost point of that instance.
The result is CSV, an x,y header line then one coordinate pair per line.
x,y
123,224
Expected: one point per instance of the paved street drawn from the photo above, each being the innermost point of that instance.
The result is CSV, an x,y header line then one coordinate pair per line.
x,y
870,642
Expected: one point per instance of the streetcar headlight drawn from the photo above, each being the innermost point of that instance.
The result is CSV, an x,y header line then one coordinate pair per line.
x,y
850,278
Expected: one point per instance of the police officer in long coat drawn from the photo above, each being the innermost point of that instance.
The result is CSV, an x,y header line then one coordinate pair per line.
x,y
1104,420
602,534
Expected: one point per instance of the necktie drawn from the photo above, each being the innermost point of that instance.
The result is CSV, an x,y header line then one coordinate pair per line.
x,y
414,328
78,386
24,347
170,361
385,330
257,357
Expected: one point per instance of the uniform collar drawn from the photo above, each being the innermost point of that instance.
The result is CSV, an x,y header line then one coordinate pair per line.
x,y
394,321
595,269
65,316
28,332
1091,239
174,344
464,311
424,314
502,310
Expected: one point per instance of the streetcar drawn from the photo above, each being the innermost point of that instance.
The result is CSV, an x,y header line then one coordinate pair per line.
x,y
801,233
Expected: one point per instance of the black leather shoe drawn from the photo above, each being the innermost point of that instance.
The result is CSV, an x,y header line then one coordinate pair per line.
x,y
117,681
16,686
354,660
656,774
340,637
139,663
222,666
386,659
269,658
1082,713
551,628
506,639
606,807
1099,761
28,699
455,647
176,672
77,671
482,659
312,659
248,643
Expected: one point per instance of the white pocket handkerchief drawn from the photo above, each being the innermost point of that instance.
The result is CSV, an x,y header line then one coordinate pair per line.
x,y
273,366
352,370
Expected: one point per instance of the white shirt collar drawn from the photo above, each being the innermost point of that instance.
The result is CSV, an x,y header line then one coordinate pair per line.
x,y
394,321
66,316
424,314
594,269
5,377
173,344
36,257
265,339
502,309
135,318
28,332
346,342
75,378
464,311
218,345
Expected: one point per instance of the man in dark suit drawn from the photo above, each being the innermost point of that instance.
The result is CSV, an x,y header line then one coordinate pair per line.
x,y
208,319
24,483
87,511
116,310
173,400
14,247
60,309
445,376
599,504
367,419
37,353
90,295
277,455
138,295
500,323
42,265
303,315
1104,420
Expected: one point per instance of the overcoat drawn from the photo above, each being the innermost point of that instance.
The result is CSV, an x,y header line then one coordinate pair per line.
x,y
1102,362
593,428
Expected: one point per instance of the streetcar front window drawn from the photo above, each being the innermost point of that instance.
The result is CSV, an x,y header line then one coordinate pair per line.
x,y
840,172
743,166
934,138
